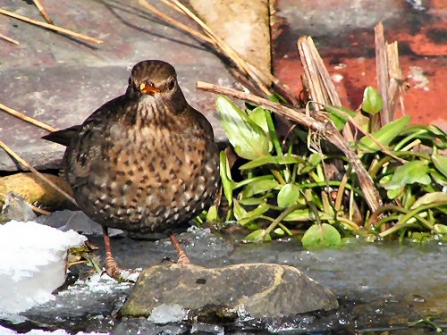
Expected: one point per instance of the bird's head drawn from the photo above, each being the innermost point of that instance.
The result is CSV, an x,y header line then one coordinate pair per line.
x,y
154,78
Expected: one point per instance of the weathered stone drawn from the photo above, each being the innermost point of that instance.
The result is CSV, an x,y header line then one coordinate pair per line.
x,y
261,290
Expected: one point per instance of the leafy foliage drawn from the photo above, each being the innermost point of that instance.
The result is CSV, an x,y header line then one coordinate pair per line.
x,y
302,186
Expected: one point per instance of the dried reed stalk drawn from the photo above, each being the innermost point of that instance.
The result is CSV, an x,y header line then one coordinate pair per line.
x,y
43,11
27,118
389,77
9,39
260,79
322,89
50,27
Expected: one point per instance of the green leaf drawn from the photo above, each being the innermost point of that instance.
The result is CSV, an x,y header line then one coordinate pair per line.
x,y
252,201
279,231
259,186
211,215
248,139
392,194
362,122
239,211
288,195
275,160
258,116
257,236
254,214
225,175
300,215
384,135
339,115
320,237
410,173
440,163
438,178
311,163
430,198
440,228
372,101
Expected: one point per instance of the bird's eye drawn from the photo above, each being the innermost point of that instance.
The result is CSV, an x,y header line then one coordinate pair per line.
x,y
170,84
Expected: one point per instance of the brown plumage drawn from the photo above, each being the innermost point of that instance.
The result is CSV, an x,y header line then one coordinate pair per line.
x,y
143,162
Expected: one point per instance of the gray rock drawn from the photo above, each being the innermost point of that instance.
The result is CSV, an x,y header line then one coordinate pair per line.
x,y
260,290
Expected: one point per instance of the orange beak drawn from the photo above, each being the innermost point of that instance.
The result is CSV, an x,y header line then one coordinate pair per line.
x,y
145,89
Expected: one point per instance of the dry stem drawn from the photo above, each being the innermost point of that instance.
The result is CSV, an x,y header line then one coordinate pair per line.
x,y
9,39
50,26
43,11
27,118
37,173
319,82
173,22
389,76
261,80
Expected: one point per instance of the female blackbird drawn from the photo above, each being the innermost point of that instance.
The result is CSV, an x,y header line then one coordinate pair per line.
x,y
143,162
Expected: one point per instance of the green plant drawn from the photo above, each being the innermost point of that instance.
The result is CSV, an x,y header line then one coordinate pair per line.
x,y
287,185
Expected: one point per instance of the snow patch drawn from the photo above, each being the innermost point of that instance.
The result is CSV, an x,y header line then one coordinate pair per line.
x,y
32,263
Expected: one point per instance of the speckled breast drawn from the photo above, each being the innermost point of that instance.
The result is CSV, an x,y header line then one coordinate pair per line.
x,y
151,185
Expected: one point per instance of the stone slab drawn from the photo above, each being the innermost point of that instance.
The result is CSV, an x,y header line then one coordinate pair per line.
x,y
60,80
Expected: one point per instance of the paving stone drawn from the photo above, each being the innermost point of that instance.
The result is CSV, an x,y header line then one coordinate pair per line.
x,y
61,81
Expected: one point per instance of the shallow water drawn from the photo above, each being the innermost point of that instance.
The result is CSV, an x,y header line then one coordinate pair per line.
x,y
379,286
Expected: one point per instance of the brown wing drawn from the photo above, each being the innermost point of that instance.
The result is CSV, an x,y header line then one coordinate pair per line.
x,y
84,142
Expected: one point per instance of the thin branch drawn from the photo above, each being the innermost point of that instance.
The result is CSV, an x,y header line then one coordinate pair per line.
x,y
27,118
9,39
37,173
320,124
43,11
173,22
50,26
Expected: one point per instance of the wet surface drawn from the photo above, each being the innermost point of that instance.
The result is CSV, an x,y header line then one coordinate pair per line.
x,y
379,286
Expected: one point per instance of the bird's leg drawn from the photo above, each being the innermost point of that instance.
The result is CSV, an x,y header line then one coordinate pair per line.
x,y
112,268
182,257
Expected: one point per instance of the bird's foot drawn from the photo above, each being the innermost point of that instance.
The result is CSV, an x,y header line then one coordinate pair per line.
x,y
115,272
183,259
